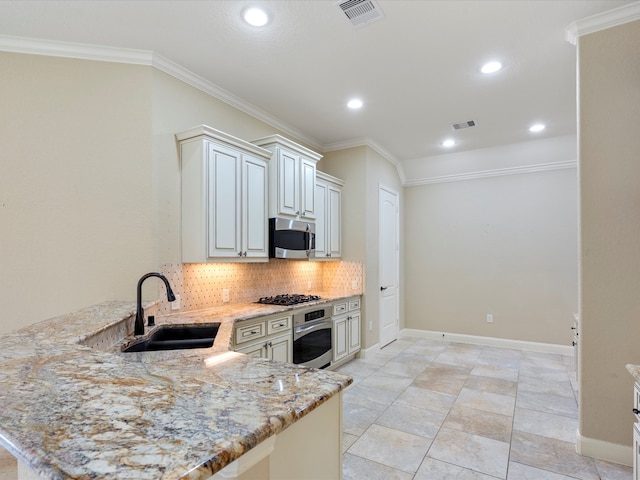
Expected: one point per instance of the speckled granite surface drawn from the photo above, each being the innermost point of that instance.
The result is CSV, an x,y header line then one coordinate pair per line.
x,y
634,370
70,411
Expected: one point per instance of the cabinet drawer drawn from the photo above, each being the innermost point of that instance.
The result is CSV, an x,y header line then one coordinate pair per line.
x,y
246,333
277,325
339,308
354,304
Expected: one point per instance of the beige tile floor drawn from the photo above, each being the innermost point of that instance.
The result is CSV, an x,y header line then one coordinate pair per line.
x,y
435,410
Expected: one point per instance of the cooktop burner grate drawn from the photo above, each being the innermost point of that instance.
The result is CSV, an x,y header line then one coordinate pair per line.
x,y
288,299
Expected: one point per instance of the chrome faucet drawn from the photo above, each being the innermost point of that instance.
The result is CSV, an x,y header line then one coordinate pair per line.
x,y
139,325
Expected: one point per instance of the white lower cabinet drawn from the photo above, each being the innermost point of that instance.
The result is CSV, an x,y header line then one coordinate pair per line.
x,y
636,451
268,337
346,328
636,432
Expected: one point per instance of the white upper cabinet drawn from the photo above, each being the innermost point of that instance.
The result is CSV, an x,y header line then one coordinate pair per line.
x,y
328,203
224,197
292,178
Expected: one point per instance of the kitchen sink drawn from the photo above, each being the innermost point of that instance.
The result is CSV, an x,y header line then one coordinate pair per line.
x,y
168,337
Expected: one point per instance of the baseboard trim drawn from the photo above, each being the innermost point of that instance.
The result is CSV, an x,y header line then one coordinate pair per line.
x,y
489,341
367,352
609,452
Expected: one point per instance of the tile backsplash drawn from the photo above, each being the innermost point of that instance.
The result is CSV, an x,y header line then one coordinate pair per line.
x,y
201,285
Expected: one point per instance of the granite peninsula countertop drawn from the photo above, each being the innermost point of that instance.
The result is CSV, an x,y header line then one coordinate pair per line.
x,y
634,370
71,411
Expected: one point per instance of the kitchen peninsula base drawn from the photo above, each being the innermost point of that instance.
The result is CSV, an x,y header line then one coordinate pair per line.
x,y
309,449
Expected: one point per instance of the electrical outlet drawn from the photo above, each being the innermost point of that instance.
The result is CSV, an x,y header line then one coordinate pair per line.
x,y
225,295
354,284
175,305
308,284
370,325
489,317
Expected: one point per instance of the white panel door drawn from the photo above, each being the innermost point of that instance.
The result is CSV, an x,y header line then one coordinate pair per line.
x,y
389,266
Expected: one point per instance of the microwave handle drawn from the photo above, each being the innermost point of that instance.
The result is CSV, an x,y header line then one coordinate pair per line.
x,y
309,234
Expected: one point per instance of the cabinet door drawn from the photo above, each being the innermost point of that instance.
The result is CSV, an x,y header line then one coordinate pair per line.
x,y
334,220
288,183
256,350
340,345
321,226
636,452
307,189
254,208
224,206
354,332
281,349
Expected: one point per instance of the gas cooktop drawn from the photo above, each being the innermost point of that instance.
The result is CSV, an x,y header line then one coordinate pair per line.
x,y
288,299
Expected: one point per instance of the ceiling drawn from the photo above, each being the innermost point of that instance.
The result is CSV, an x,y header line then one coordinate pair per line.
x,y
417,69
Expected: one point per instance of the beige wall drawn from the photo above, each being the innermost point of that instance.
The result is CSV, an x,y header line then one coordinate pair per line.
x,y
90,183
609,144
75,190
363,170
504,245
178,107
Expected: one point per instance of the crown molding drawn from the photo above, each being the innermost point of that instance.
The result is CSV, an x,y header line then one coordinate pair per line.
x,y
50,48
499,172
602,21
367,142
101,53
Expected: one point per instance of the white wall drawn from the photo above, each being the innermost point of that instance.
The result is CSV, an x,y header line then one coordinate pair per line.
x,y
505,245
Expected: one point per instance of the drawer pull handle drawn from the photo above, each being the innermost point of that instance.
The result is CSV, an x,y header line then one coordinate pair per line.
x,y
281,325
636,411
253,332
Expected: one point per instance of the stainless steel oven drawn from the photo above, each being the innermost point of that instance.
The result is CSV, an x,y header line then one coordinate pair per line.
x,y
312,337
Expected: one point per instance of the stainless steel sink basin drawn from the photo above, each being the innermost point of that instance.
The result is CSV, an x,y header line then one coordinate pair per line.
x,y
168,337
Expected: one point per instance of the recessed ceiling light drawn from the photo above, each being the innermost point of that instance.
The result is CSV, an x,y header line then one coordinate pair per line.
x,y
448,143
538,127
355,103
491,67
255,16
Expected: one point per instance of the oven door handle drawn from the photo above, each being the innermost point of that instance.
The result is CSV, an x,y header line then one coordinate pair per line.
x,y
319,325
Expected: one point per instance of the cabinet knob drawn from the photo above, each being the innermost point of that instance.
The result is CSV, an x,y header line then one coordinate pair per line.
x,y
574,343
636,411
239,254
244,254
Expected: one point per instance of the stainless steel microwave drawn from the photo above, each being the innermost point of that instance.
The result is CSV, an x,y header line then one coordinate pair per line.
x,y
292,239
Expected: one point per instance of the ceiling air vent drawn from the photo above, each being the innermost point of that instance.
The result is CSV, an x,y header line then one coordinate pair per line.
x,y
461,125
361,12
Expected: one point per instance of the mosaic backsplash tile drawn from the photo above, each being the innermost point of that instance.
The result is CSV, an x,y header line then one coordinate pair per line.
x,y
200,285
